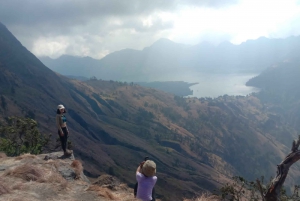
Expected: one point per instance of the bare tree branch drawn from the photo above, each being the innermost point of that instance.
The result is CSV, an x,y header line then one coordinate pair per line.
x,y
273,192
260,189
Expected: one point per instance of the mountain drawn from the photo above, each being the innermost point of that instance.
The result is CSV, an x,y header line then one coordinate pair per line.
x,y
108,135
66,64
279,89
197,143
282,78
28,88
52,174
165,57
235,135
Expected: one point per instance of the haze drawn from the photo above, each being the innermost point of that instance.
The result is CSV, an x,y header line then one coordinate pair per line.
x,y
96,28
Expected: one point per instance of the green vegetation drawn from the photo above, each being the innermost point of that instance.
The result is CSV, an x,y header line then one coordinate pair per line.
x,y
144,115
171,114
21,135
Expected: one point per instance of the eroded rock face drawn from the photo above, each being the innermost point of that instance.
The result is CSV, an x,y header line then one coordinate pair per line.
x,y
67,172
2,168
57,155
63,164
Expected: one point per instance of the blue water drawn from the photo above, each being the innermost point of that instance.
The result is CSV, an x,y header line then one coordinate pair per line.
x,y
213,85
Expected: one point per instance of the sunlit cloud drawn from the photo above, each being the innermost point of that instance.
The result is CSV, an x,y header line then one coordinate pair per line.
x,y
97,28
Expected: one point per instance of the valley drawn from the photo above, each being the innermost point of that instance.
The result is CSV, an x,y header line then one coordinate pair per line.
x,y
197,143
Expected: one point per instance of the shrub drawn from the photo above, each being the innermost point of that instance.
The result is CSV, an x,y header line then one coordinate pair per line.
x,y
77,165
21,135
103,192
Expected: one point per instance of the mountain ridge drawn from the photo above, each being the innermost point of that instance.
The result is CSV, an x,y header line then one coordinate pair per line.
x,y
165,56
103,131
196,143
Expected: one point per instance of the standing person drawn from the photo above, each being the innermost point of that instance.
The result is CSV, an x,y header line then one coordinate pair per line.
x,y
145,176
63,132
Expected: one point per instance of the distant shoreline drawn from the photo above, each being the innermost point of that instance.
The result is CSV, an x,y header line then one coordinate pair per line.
x,y
178,88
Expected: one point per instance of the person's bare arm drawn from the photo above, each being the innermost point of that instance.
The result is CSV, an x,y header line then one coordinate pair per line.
x,y
58,125
138,169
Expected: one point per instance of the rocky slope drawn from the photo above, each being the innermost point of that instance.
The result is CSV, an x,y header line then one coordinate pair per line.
x,y
54,177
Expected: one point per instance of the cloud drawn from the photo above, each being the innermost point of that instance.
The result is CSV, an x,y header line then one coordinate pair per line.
x,y
209,3
42,25
78,12
97,27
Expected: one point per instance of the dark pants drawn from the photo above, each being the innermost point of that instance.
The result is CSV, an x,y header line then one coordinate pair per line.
x,y
64,139
153,192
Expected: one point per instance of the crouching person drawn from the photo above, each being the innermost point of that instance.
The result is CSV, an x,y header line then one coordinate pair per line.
x,y
145,176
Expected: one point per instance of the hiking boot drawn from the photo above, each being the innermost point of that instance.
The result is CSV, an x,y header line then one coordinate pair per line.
x,y
71,151
68,153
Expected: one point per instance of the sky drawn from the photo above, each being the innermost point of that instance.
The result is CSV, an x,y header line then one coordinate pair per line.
x,y
96,28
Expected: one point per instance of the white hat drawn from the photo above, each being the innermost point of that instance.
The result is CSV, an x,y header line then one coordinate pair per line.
x,y
60,107
149,168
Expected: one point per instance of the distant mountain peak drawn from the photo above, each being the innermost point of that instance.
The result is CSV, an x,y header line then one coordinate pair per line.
x,y
165,42
3,27
68,56
225,43
205,46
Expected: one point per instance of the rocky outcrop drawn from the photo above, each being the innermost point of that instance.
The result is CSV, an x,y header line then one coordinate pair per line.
x,y
54,177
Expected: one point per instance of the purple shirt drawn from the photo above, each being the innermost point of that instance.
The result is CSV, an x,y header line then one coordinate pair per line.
x,y
145,186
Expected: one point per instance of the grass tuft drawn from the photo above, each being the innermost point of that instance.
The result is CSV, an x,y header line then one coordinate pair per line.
x,y
26,172
3,188
207,197
77,166
103,192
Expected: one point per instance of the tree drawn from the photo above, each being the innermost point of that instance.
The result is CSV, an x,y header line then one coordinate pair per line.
x,y
93,78
274,191
241,189
21,135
